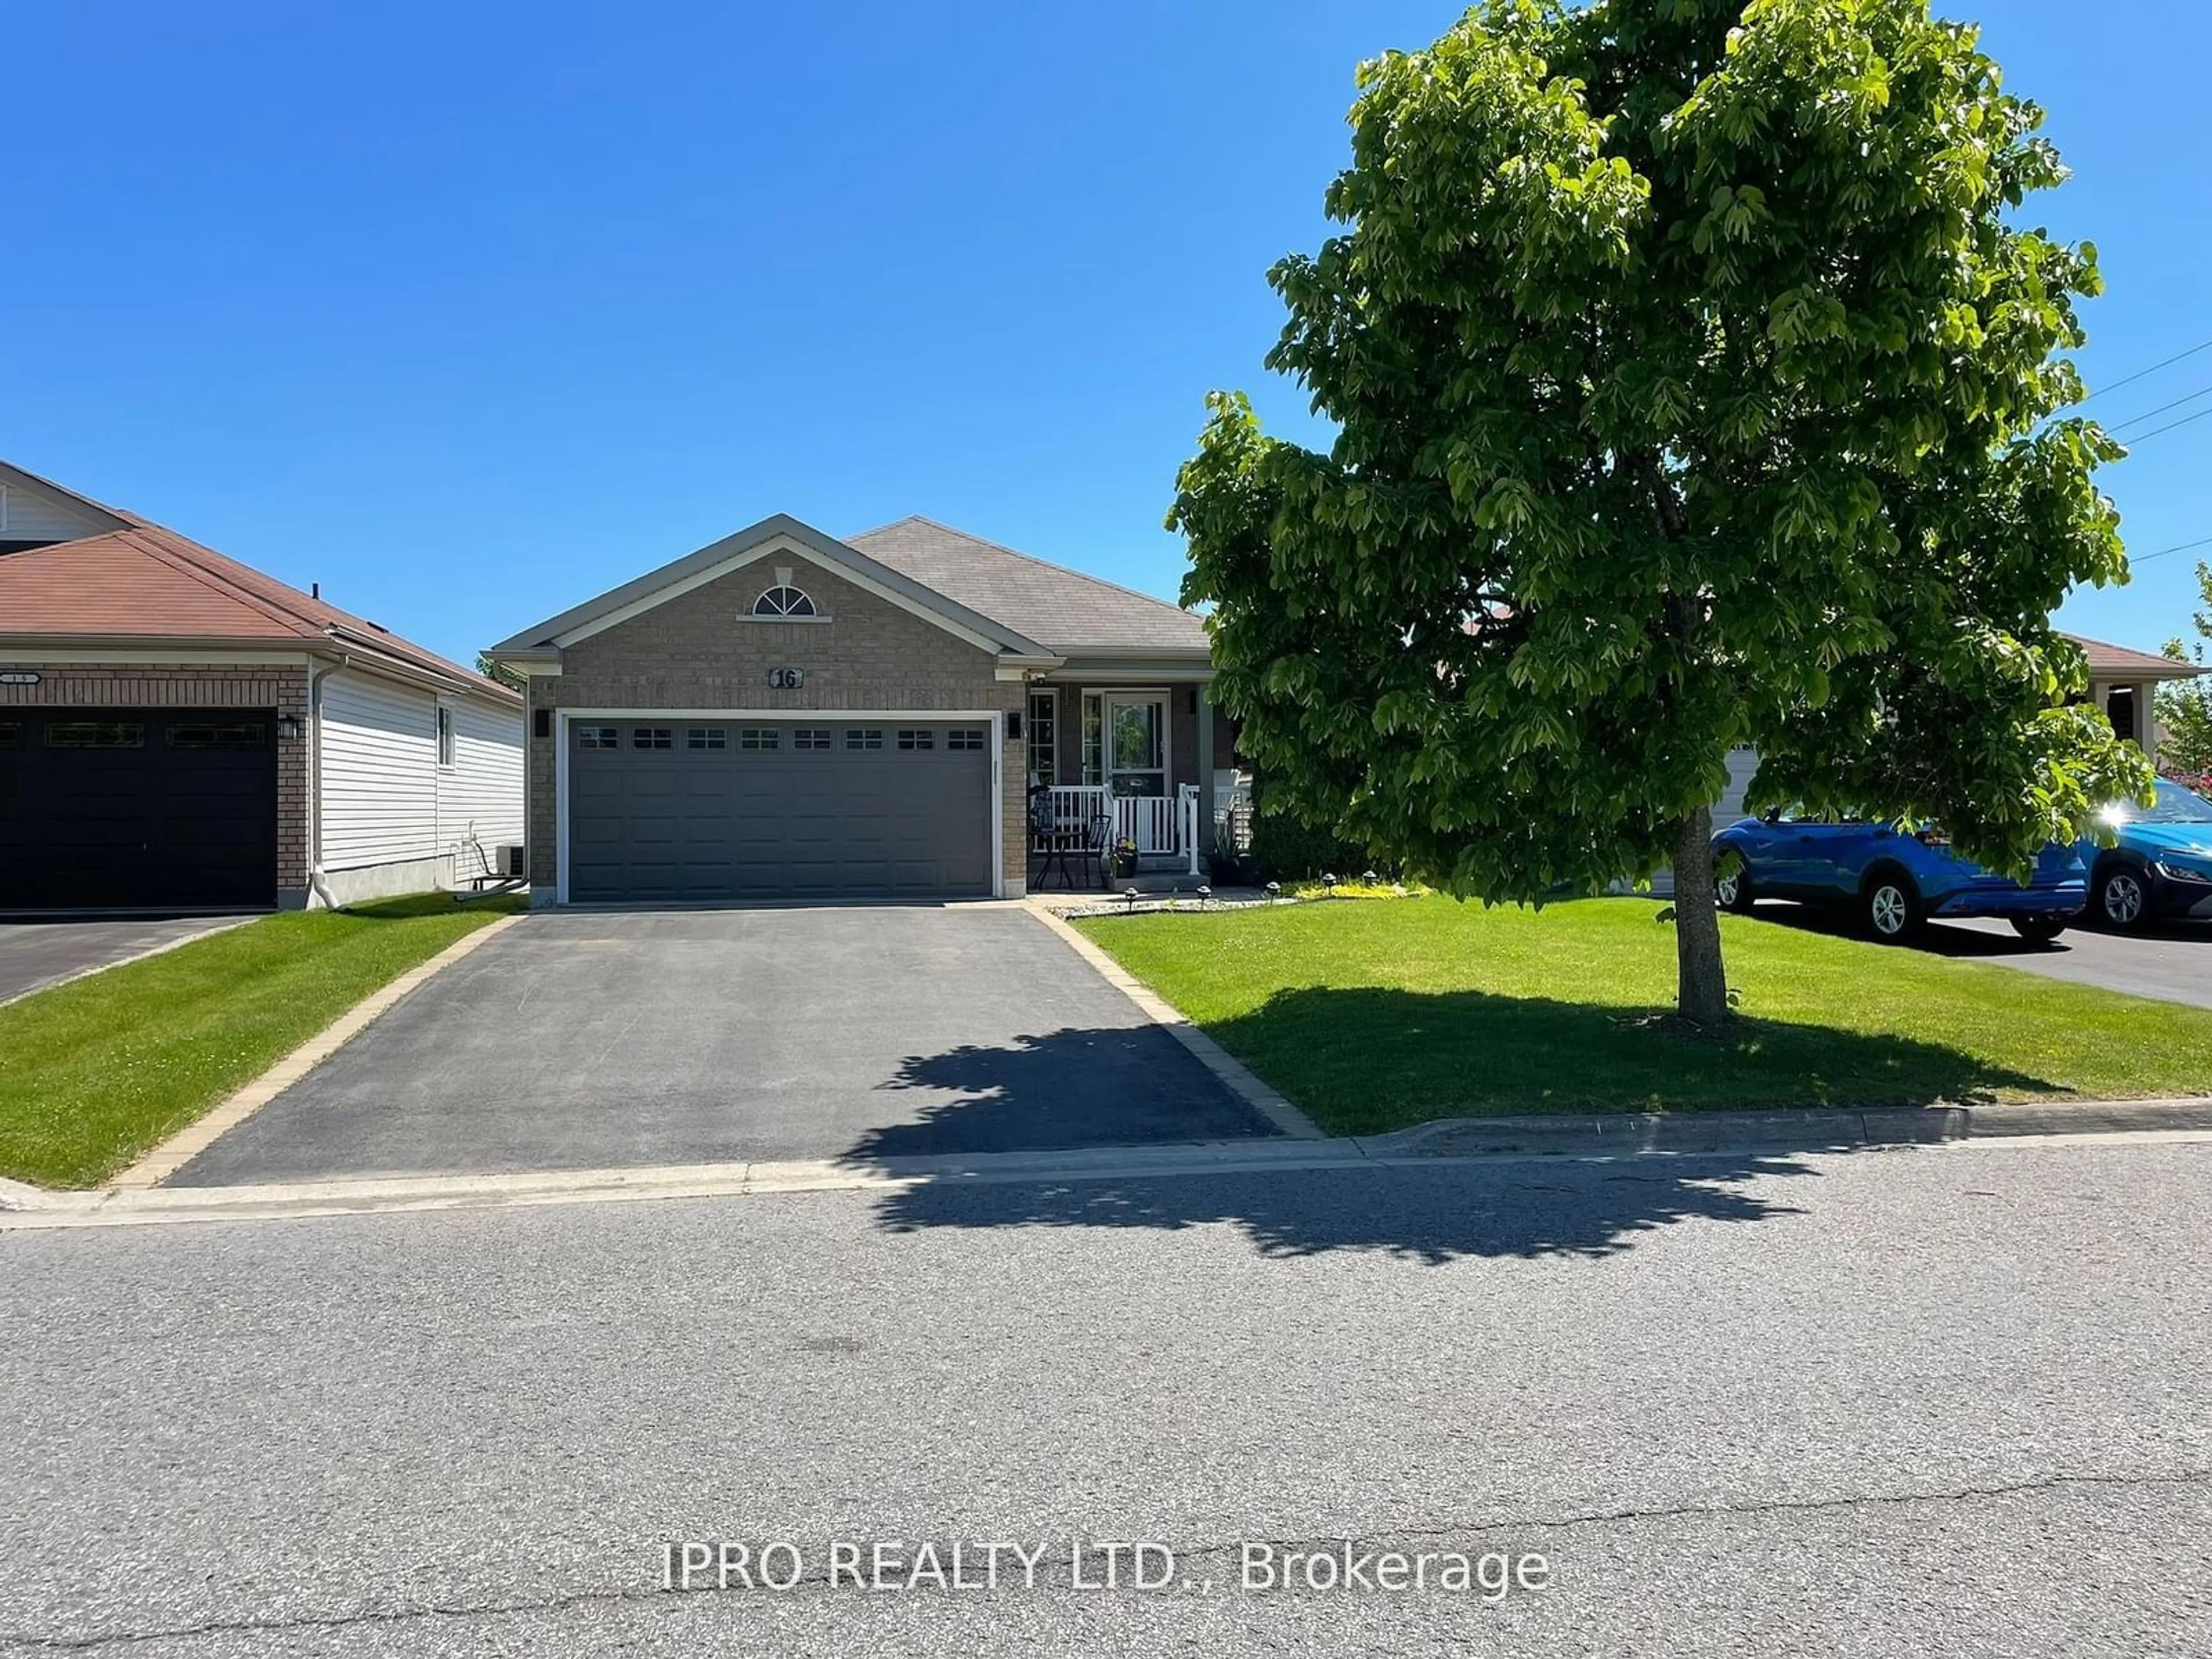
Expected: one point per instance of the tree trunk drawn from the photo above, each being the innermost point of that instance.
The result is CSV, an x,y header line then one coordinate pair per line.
x,y
1701,984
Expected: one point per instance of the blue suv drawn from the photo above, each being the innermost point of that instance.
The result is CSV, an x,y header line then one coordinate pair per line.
x,y
1895,880
2162,863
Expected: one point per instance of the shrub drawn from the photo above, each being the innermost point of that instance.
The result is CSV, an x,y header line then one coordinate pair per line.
x,y
1286,848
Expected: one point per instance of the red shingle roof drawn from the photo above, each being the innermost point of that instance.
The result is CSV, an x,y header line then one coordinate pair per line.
x,y
147,583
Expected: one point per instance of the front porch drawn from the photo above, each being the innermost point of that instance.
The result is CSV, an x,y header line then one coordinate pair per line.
x,y
1142,757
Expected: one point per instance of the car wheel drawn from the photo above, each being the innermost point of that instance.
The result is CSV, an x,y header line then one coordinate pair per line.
x,y
2123,899
2038,930
1732,886
1892,909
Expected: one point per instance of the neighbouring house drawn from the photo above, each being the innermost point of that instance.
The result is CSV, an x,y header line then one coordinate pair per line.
x,y
180,731
786,714
2124,683
2121,683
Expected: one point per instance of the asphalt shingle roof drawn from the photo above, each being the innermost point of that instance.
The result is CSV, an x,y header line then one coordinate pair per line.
x,y
2118,662
1064,609
146,582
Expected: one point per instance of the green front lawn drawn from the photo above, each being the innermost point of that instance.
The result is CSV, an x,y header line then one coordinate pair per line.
x,y
96,1074
1375,1016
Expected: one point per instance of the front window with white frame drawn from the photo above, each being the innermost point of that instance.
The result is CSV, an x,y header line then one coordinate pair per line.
x,y
1044,737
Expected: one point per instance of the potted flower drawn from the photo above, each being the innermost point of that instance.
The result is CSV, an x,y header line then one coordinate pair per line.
x,y
1125,857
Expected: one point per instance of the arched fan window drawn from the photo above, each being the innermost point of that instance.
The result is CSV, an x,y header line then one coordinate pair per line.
x,y
783,600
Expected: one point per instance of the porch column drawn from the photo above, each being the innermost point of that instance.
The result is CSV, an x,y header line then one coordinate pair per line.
x,y
1205,762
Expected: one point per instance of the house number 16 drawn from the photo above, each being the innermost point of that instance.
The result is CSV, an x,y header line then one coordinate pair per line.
x,y
786,679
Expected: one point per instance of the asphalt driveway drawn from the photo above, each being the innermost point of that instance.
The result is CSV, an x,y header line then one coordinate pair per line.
x,y
2171,961
36,954
591,1040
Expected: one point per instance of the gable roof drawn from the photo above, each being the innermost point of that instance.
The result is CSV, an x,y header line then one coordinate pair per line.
x,y
143,582
1073,613
758,541
2109,662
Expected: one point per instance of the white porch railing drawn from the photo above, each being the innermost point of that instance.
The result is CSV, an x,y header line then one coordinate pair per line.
x,y
1159,825
1148,820
1071,807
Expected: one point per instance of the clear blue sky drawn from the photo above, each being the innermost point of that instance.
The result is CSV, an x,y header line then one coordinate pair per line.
x,y
469,311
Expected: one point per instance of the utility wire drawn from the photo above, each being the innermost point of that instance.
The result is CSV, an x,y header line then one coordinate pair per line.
x,y
2146,373
2142,436
2182,547
2137,420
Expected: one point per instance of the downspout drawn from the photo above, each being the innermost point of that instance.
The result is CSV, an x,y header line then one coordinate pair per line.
x,y
317,882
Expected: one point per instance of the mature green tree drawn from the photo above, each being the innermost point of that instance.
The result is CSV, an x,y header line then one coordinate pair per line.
x,y
2184,706
1691,380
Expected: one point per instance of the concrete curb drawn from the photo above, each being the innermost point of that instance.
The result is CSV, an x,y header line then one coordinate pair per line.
x,y
1287,1119
1626,1136
1629,1133
195,1137
217,925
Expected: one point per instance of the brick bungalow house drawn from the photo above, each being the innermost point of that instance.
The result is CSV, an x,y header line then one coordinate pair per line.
x,y
179,731
783,714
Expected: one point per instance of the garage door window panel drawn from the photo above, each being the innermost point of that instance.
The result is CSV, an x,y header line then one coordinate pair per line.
x,y
597,736
917,738
96,734
246,735
653,736
856,737
707,737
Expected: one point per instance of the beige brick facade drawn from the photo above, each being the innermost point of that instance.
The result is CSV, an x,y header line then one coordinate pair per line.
x,y
703,651
194,685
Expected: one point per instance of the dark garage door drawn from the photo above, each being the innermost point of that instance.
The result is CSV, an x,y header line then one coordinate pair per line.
x,y
689,809
147,808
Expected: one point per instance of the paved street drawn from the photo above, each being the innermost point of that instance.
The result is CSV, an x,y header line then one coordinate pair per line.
x,y
586,1040
1937,1401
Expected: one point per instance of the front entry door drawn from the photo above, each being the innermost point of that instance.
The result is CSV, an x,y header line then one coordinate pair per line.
x,y
1137,745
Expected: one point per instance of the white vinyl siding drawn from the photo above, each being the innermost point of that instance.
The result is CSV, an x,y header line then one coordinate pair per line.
x,y
481,793
384,798
28,516
1741,764
380,772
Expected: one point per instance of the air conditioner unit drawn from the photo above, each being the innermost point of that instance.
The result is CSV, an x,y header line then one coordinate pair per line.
x,y
511,865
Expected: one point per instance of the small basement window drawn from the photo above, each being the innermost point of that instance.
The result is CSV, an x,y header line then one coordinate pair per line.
x,y
653,736
706,736
917,738
597,736
964,737
857,739
758,737
811,737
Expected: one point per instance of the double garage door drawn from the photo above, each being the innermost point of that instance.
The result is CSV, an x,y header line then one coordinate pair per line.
x,y
702,809
137,808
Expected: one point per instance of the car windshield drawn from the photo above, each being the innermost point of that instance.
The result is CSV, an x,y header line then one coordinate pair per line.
x,y
2174,806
